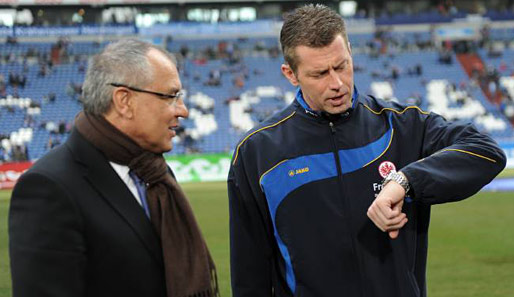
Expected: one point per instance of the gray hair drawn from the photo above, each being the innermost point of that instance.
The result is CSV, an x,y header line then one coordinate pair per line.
x,y
123,62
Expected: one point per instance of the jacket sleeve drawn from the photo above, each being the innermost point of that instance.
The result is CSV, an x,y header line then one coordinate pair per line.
x,y
458,161
250,255
46,245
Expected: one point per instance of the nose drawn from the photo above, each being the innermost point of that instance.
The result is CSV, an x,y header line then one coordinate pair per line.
x,y
335,81
181,110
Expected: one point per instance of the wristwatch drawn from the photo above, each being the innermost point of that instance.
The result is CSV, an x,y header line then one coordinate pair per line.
x,y
400,178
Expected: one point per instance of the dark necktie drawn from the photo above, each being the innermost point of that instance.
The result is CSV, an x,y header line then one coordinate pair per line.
x,y
141,190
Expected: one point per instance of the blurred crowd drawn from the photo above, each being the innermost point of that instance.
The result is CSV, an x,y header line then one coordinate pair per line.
x,y
233,73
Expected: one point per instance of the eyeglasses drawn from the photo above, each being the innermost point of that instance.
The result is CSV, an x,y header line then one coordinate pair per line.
x,y
170,99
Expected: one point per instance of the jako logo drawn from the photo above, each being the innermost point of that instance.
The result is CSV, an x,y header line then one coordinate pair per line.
x,y
298,171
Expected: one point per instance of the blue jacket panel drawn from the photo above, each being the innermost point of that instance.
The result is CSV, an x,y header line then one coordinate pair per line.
x,y
301,182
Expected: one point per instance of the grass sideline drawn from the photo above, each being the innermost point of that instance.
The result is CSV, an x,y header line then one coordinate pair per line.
x,y
508,172
470,253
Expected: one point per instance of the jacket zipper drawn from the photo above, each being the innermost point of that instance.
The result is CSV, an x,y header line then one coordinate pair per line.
x,y
336,154
345,208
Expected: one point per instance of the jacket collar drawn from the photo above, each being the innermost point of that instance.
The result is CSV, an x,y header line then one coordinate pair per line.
x,y
113,190
299,98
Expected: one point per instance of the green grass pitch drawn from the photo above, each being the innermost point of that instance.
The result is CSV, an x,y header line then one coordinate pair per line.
x,y
471,251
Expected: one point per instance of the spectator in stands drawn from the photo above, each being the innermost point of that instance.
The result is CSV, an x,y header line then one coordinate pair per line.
x,y
31,52
81,62
10,58
3,86
492,87
19,153
445,57
53,142
274,52
25,65
11,40
70,91
103,215
189,143
210,53
62,127
3,155
234,55
28,121
81,68
51,97
485,35
34,104
13,79
22,80
494,51
238,81
320,193
184,50
503,68
214,79
395,72
222,49
15,93
415,99
56,53
417,70
51,127
43,70
74,90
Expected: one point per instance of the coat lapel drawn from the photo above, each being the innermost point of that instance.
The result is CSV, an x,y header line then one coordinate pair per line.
x,y
106,181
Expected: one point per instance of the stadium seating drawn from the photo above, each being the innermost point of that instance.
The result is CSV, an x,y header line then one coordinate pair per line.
x,y
250,87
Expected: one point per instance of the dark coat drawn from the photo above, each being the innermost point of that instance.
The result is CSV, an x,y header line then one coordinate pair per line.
x,y
76,230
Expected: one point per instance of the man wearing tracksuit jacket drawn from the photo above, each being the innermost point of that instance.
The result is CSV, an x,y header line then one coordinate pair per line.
x,y
331,196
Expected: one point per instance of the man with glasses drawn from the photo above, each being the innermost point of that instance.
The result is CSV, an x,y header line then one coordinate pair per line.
x,y
102,215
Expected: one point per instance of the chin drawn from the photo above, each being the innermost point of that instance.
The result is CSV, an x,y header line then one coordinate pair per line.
x,y
160,149
166,146
166,149
338,109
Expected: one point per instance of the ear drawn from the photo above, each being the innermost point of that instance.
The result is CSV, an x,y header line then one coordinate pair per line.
x,y
289,74
123,102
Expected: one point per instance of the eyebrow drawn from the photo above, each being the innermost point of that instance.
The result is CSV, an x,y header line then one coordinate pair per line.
x,y
320,71
174,90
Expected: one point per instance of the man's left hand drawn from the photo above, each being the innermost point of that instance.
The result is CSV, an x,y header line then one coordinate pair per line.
x,y
386,210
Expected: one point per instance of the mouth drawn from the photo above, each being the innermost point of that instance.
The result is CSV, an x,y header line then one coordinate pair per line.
x,y
173,130
337,100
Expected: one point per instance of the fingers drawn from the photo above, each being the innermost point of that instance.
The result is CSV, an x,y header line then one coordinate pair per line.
x,y
386,211
396,229
397,208
394,234
391,221
398,222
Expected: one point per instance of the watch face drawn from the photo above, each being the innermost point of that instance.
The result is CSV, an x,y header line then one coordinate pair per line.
x,y
399,178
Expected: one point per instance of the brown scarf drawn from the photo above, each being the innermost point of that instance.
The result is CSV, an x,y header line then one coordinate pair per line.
x,y
189,268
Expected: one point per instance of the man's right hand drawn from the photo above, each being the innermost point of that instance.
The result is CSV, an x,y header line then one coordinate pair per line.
x,y
386,211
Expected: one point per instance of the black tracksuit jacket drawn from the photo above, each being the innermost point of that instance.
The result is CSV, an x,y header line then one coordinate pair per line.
x,y
301,182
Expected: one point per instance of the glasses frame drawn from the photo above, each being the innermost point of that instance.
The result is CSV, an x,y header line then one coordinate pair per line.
x,y
173,97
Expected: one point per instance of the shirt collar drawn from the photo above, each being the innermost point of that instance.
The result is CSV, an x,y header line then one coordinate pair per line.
x,y
121,170
299,98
